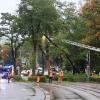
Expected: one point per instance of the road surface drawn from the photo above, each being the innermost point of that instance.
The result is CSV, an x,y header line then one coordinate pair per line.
x,y
78,91
21,91
45,91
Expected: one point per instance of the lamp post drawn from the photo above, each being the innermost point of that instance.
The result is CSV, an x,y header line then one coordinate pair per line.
x,y
87,70
88,67
43,43
46,49
29,7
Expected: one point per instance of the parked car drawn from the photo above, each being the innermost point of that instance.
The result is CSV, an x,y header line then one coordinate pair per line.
x,y
24,73
4,73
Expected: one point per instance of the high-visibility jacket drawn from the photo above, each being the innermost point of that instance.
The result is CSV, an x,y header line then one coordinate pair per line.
x,y
51,74
60,73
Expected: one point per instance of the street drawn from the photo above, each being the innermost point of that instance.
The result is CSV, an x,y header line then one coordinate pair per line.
x,y
75,91
46,91
20,91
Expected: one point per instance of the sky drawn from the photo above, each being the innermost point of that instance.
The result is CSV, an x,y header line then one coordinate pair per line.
x,y
9,6
12,5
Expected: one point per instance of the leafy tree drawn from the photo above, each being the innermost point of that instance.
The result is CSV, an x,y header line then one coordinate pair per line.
x,y
12,29
73,28
39,19
91,14
26,52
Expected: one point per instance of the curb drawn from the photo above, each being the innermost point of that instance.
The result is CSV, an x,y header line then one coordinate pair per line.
x,y
46,93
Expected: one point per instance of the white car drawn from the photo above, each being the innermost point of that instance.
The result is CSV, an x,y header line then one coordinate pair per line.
x,y
40,69
24,73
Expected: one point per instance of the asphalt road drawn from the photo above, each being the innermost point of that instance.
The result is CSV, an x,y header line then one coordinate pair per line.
x,y
20,91
30,91
78,91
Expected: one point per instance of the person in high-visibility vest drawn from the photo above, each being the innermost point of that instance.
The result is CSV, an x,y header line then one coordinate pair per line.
x,y
39,73
60,75
50,76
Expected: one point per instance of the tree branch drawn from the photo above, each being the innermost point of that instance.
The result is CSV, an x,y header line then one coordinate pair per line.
x,y
59,49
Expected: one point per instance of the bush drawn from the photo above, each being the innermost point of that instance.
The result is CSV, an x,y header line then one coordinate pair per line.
x,y
17,78
80,77
33,78
43,79
68,76
55,78
95,78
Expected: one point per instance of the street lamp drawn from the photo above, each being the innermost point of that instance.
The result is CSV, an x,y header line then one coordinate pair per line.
x,y
46,50
43,41
87,69
29,7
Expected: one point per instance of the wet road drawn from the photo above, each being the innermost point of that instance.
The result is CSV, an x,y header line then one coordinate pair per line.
x,y
20,91
79,91
30,91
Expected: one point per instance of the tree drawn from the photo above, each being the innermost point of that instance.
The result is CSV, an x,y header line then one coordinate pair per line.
x,y
72,28
91,14
12,30
39,20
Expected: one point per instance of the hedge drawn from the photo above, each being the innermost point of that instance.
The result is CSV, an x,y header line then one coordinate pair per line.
x,y
17,78
95,78
33,78
68,76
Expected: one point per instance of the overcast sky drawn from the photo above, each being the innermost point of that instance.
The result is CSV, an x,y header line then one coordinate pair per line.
x,y
8,5
12,5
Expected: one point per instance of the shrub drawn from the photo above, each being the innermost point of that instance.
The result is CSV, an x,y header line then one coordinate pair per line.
x,y
17,78
43,79
55,77
68,76
33,78
80,77
95,78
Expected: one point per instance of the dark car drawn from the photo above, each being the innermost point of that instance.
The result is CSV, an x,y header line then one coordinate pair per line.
x,y
4,72
5,75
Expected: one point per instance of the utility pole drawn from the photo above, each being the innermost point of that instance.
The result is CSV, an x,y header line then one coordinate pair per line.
x,y
88,65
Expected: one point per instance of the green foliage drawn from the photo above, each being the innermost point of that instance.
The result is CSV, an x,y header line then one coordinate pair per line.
x,y
59,21
33,78
91,14
95,78
11,28
38,20
96,68
17,78
68,76
26,52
